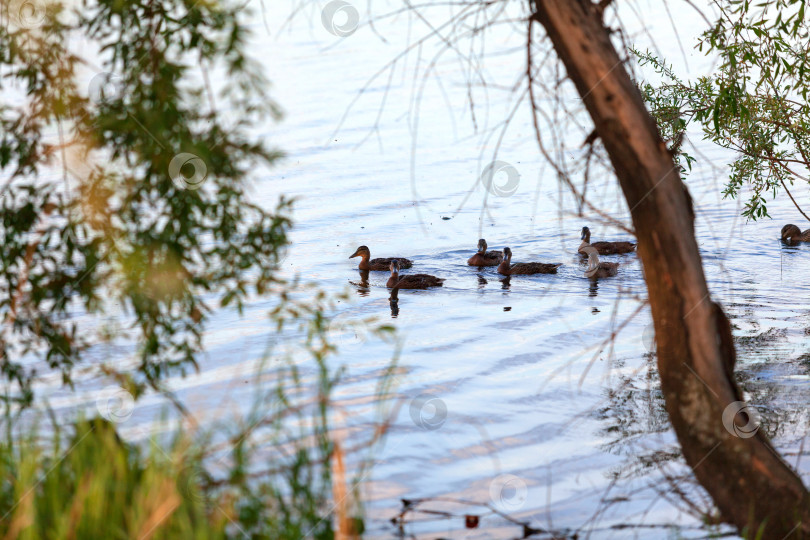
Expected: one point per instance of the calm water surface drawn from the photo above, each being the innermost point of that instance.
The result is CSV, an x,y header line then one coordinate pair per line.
x,y
520,380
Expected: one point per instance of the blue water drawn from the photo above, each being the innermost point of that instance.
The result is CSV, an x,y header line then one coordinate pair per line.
x,y
523,375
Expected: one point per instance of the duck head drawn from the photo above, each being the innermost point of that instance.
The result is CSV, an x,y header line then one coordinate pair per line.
x,y
586,235
507,254
482,246
362,251
789,231
394,266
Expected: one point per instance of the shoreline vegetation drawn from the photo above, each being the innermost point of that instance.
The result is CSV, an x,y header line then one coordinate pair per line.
x,y
278,472
134,189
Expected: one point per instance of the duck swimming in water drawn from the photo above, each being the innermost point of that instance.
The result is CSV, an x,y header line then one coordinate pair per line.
x,y
793,235
484,257
598,269
411,281
377,264
604,248
506,268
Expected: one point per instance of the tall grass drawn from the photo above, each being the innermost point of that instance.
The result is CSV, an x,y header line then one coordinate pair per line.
x,y
82,481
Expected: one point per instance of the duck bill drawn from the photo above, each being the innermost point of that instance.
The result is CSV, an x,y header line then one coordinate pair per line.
x,y
355,254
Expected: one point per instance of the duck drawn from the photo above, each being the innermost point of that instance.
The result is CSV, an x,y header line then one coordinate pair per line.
x,y
598,269
484,257
411,281
604,248
377,264
506,268
791,234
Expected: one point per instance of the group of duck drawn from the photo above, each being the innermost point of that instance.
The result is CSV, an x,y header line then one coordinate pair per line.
x,y
791,235
501,259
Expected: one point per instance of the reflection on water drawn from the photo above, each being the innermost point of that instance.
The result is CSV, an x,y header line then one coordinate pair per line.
x,y
790,248
774,375
530,388
393,303
362,286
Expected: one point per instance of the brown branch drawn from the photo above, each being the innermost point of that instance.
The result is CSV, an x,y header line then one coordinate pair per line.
x,y
561,174
794,200
749,482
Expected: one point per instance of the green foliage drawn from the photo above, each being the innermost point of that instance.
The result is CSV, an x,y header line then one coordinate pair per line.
x,y
754,104
96,209
90,484
256,478
125,224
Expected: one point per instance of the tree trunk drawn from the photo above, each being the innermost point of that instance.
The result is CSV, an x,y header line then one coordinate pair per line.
x,y
749,482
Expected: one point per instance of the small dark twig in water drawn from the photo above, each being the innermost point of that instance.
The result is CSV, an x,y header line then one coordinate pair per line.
x,y
527,531
410,505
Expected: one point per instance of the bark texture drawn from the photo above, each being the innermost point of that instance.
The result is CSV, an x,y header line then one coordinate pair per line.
x,y
752,486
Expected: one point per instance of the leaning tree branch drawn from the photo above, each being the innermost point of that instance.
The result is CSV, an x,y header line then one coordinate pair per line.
x,y
752,486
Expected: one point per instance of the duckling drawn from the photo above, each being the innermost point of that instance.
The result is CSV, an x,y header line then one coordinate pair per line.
x,y
411,281
598,269
508,269
792,235
377,264
484,257
604,248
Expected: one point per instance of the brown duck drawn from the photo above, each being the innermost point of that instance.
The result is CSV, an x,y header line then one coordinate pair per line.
x,y
411,281
484,257
604,248
792,235
598,269
508,269
377,264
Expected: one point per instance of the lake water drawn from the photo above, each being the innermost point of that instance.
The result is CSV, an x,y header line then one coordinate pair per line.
x,y
499,377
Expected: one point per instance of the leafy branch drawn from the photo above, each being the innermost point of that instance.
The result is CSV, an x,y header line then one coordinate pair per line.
x,y
756,102
152,213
